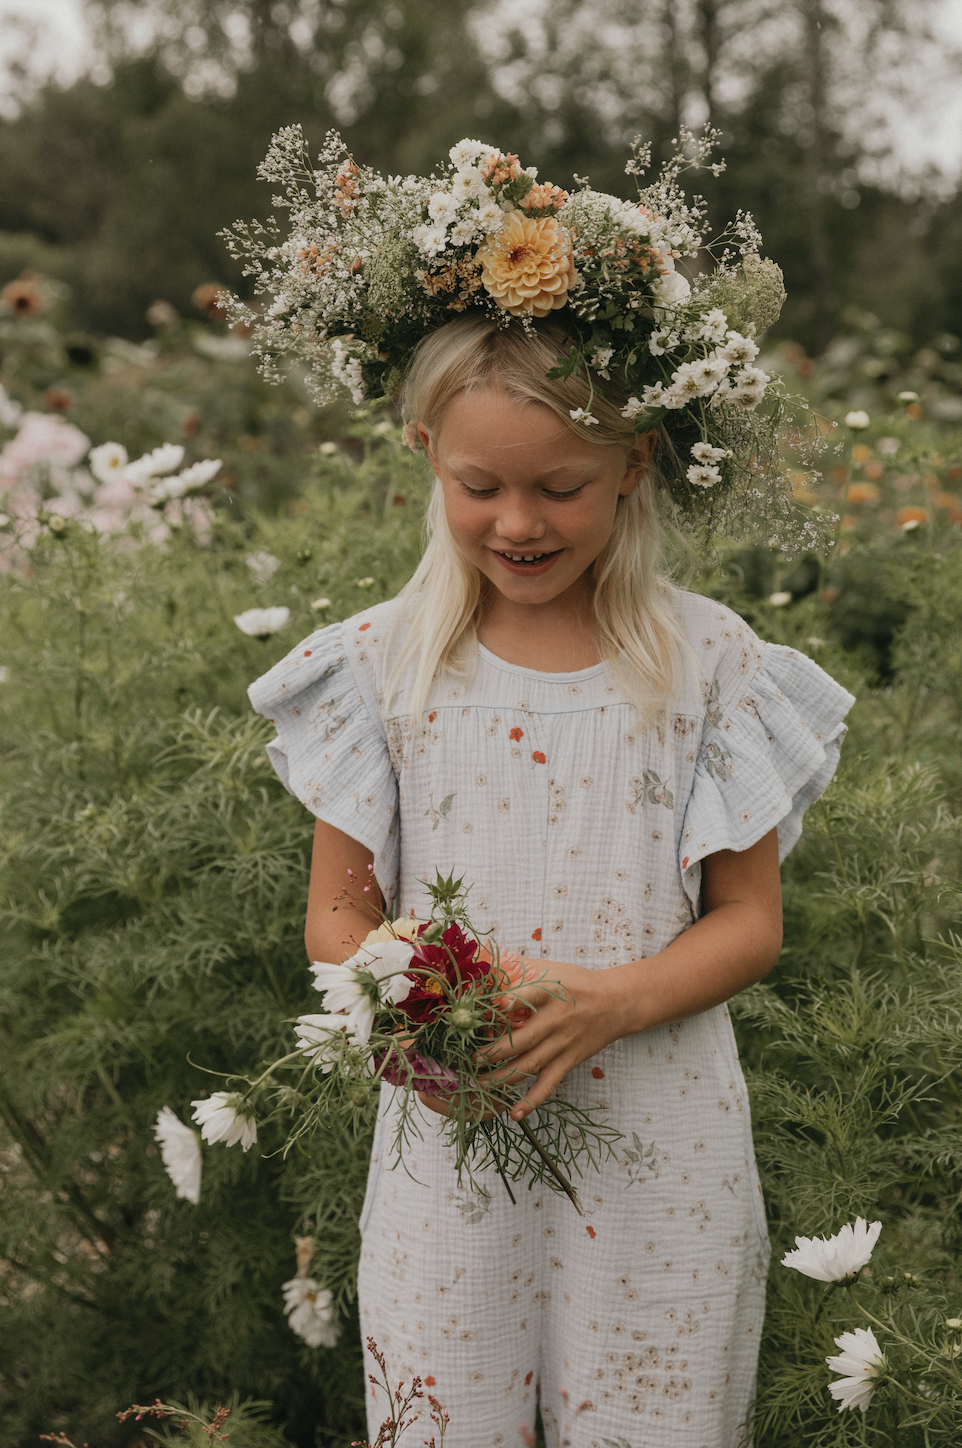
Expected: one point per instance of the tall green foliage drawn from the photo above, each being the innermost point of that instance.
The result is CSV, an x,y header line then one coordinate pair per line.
x,y
153,877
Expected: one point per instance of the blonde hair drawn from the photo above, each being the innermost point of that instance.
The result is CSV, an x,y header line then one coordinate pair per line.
x,y
638,629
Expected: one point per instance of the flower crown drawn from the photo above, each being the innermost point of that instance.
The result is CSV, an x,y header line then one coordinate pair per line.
x,y
370,265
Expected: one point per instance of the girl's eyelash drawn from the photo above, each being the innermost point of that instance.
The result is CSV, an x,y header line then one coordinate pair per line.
x,y
560,497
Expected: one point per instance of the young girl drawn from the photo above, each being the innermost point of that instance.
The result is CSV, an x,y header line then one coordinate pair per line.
x,y
615,766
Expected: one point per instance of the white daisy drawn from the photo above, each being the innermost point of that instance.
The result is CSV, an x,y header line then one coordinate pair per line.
x,y
224,1117
738,350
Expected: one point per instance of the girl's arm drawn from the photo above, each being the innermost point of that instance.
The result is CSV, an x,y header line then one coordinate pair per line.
x,y
336,926
736,942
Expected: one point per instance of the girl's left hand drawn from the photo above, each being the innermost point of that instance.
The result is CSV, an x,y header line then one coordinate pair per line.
x,y
573,1016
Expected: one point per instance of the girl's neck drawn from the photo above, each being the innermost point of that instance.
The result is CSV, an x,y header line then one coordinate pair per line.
x,y
559,638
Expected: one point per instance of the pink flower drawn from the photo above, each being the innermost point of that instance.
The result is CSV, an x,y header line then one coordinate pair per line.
x,y
44,437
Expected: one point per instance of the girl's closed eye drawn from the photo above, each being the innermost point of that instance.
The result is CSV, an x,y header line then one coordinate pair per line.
x,y
554,494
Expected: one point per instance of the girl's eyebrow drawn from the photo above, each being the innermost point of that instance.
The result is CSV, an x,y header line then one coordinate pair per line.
x,y
457,465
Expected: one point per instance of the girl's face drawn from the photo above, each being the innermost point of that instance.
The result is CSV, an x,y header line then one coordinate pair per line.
x,y
529,502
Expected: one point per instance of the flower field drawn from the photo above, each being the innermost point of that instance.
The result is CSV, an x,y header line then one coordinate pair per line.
x,y
153,878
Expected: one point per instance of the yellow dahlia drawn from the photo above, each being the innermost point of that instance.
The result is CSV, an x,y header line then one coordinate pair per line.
x,y
527,266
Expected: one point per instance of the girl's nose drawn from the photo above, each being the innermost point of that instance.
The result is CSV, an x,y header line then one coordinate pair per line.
x,y
519,521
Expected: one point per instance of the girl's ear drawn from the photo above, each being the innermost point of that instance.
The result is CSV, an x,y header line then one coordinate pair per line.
x,y
427,444
637,461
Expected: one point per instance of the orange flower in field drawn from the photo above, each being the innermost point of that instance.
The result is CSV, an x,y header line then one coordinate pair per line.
x,y
863,493
205,299
23,297
528,266
911,517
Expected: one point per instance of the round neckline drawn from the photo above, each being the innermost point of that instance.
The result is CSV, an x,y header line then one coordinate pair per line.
x,y
573,678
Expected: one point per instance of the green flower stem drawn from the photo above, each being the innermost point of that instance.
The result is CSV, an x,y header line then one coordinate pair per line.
x,y
552,1166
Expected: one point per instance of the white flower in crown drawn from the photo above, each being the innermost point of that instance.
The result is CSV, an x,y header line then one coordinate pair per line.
x,y
309,1308
672,288
489,216
468,185
702,476
738,350
465,153
838,1257
443,208
225,1117
712,326
708,371
862,1363
579,414
703,452
180,1153
260,623
463,232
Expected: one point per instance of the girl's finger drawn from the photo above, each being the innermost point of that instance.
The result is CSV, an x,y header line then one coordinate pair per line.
x,y
539,1091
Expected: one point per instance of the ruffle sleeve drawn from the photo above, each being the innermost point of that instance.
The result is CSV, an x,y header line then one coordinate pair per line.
x,y
331,749
769,748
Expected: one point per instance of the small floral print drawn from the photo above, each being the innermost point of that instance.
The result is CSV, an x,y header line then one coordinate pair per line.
x,y
718,762
363,627
516,734
597,1073
536,934
538,757
591,1232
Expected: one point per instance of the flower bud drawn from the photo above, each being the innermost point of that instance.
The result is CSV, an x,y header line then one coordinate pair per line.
x,y
463,1018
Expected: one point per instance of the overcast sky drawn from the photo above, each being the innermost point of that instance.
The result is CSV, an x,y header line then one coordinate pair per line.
x,y
931,133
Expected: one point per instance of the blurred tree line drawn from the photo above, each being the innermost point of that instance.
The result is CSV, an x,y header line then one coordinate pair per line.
x,y
119,183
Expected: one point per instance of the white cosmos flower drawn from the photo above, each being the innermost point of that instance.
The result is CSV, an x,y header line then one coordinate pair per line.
x,y
263,565
703,477
310,1311
738,350
223,1117
841,1256
107,461
260,623
198,475
163,459
314,1035
703,452
466,152
712,326
862,1363
373,976
180,1153
443,208
857,420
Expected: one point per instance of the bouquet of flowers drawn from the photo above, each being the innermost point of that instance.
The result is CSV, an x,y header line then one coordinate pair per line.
x,y
415,1007
370,264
